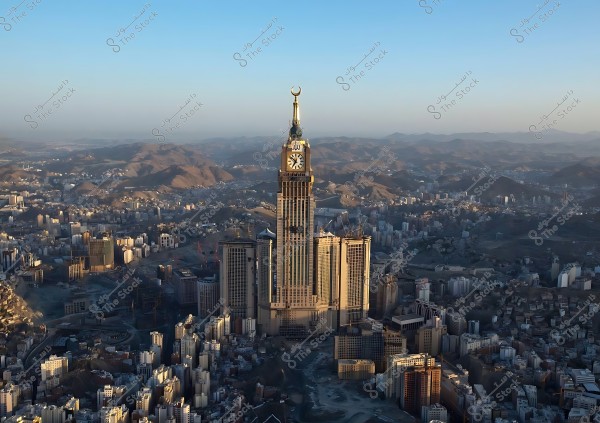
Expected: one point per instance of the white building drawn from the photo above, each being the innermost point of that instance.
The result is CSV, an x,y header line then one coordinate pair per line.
x,y
470,342
53,414
166,241
434,412
54,367
118,414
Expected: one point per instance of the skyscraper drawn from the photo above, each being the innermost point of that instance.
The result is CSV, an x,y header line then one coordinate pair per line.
x,y
293,303
101,253
354,279
317,276
415,380
238,273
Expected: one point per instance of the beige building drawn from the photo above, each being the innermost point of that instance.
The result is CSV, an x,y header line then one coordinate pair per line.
x,y
101,253
397,365
238,273
429,337
53,414
354,279
356,369
117,414
54,367
317,277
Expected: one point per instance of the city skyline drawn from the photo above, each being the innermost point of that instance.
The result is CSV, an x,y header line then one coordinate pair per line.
x,y
423,50
417,236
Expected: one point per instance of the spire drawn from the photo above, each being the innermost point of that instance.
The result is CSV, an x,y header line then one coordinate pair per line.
x,y
295,131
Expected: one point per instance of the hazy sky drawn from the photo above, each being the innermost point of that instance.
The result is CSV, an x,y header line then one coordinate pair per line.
x,y
185,48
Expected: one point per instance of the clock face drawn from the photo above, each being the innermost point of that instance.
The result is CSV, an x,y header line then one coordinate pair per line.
x,y
295,161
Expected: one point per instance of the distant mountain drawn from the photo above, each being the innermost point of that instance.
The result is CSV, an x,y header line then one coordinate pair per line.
x,y
147,165
505,186
13,173
585,173
551,136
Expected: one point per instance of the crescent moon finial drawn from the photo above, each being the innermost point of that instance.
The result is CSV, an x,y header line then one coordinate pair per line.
x,y
298,93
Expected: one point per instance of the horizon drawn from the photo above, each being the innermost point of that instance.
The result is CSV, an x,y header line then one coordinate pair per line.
x,y
550,138
195,53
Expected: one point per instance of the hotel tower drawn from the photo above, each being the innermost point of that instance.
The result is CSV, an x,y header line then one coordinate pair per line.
x,y
319,280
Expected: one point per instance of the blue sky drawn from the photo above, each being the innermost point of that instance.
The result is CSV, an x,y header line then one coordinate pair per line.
x,y
188,48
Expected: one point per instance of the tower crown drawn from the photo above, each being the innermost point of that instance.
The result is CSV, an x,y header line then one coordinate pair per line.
x,y
295,130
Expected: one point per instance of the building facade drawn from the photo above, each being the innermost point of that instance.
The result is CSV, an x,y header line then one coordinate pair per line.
x,y
238,273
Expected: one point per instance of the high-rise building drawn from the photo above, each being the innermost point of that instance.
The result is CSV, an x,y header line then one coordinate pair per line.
x,y
422,288
208,295
265,274
101,253
238,272
185,286
327,274
181,411
189,346
386,297
354,279
429,337
317,276
109,395
116,414
293,305
143,400
419,386
8,400
396,384
54,367
361,343
157,338
53,414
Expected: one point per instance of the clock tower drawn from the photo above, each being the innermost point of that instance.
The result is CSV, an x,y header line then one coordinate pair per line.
x,y
319,278
294,300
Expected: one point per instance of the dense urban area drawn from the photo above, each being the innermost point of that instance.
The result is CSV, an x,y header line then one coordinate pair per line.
x,y
121,303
